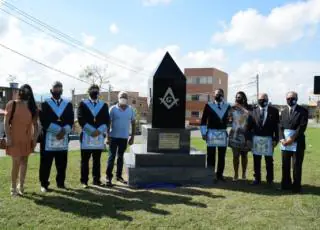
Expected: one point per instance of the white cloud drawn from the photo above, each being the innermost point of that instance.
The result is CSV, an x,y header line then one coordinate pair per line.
x,y
88,40
287,23
276,79
155,2
113,28
70,60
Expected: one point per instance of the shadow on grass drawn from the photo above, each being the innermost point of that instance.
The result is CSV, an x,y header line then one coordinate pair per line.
x,y
98,202
263,188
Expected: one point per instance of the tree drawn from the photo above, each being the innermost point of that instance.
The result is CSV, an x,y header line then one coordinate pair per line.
x,y
95,75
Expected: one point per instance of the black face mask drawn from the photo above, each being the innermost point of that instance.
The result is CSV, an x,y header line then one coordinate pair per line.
x,y
263,102
239,100
24,96
56,94
291,101
94,95
218,97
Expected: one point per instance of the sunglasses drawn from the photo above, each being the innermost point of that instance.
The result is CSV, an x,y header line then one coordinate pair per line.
x,y
291,98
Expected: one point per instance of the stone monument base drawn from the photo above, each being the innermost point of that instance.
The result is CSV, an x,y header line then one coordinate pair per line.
x,y
145,168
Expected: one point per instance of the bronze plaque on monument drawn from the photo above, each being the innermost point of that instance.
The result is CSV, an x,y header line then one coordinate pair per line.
x,y
169,140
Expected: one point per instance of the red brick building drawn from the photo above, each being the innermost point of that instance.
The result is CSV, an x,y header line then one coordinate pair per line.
x,y
201,83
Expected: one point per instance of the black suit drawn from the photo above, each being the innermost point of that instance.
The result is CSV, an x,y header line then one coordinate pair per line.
x,y
266,126
85,117
297,121
211,120
48,116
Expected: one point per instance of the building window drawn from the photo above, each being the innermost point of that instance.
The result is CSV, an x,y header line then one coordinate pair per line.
x,y
203,80
189,80
195,97
209,80
133,102
188,113
195,80
219,81
195,114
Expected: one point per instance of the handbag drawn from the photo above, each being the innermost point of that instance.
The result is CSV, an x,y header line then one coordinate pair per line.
x,y
3,140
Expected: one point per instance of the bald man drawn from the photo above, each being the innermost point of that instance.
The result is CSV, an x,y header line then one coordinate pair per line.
x,y
293,124
265,137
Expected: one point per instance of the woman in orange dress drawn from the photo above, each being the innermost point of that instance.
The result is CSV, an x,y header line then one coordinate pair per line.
x,y
21,130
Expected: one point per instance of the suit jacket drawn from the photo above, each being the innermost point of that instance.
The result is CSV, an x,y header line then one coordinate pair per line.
x,y
85,116
298,122
48,116
270,127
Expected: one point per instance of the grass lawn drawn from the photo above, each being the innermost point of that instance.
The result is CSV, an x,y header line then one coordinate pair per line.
x,y
224,206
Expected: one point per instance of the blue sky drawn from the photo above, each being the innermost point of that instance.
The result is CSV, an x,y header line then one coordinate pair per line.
x,y
239,30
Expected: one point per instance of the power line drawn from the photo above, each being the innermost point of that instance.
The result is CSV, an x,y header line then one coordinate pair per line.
x,y
68,39
43,64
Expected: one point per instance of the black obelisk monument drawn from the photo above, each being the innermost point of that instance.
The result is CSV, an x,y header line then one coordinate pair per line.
x,y
164,155
168,91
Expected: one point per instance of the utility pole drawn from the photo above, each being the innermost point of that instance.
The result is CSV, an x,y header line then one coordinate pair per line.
x,y
257,79
109,94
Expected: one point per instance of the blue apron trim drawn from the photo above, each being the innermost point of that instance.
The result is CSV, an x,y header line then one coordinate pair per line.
x,y
220,112
203,130
262,146
52,144
89,129
217,138
67,128
54,128
103,128
89,142
93,109
58,110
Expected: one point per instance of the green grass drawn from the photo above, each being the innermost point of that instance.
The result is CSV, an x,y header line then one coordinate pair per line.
x,y
223,206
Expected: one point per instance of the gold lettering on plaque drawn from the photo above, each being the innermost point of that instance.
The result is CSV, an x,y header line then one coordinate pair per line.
x,y
169,140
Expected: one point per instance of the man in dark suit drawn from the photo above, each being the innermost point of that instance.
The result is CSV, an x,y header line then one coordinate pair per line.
x,y
265,132
57,118
93,117
213,129
293,124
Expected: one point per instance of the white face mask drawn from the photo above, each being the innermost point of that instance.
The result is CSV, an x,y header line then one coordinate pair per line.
x,y
123,101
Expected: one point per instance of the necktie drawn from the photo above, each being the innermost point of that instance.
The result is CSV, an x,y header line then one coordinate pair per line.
x,y
262,117
219,107
94,104
58,102
291,112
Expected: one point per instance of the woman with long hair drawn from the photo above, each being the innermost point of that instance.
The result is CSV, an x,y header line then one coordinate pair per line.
x,y
21,129
240,136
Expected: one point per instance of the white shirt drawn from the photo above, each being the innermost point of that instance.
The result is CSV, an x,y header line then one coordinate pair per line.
x,y
57,101
292,108
265,113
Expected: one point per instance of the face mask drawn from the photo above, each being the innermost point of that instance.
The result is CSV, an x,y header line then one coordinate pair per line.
x,y
239,100
263,102
291,101
24,96
218,97
123,101
56,94
94,95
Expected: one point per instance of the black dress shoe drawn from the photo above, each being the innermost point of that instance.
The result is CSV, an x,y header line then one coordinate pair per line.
x,y
62,187
296,190
221,178
121,180
109,183
256,182
97,183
